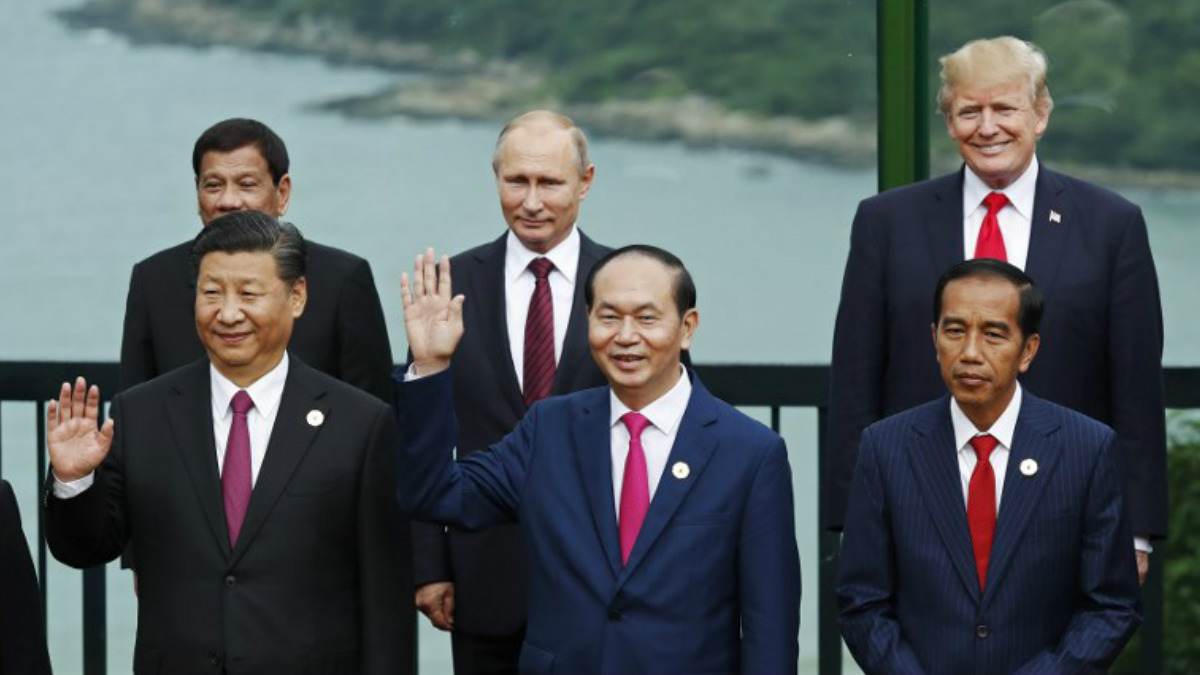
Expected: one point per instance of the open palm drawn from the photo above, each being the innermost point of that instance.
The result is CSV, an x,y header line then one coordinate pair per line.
x,y
432,314
77,445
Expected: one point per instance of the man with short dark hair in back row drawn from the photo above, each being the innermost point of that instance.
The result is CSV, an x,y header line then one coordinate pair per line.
x,y
256,492
1086,247
241,164
987,531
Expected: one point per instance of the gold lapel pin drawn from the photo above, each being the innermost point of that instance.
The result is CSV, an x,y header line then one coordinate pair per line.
x,y
1028,467
1055,216
315,418
681,470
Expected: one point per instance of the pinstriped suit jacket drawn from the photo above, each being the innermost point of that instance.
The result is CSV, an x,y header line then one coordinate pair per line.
x,y
1061,594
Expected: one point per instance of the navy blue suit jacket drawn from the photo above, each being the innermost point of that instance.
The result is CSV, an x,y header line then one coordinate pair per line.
x,y
1061,593
1101,350
713,582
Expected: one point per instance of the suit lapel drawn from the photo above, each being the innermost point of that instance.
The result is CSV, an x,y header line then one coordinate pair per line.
x,y
935,465
1047,237
575,345
489,285
290,440
694,445
590,437
944,223
1033,439
189,410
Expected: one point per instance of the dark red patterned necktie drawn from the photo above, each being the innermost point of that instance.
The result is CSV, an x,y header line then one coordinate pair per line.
x,y
981,504
235,472
990,243
539,336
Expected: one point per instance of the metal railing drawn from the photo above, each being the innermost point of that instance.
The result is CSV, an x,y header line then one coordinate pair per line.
x,y
772,386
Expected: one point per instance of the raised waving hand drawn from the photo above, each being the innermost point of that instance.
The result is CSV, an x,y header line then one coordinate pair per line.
x,y
77,446
432,315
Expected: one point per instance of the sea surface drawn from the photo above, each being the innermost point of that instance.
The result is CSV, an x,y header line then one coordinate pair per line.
x,y
95,146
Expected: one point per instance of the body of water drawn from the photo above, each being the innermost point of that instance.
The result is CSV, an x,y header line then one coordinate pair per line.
x,y
95,146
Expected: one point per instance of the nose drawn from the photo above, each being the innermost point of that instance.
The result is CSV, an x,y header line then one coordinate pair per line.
x,y
231,199
987,123
231,310
971,352
627,334
533,200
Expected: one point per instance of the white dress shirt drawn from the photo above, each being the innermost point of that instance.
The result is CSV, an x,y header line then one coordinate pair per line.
x,y
519,284
1003,429
658,437
1014,218
266,392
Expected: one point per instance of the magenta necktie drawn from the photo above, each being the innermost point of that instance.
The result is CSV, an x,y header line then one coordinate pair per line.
x,y
981,504
235,473
990,243
635,486
539,336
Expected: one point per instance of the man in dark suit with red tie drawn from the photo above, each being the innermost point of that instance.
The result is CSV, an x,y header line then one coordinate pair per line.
x,y
987,530
526,338
1086,247
256,492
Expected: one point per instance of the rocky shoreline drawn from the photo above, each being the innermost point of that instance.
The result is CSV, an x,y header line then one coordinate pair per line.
x,y
463,85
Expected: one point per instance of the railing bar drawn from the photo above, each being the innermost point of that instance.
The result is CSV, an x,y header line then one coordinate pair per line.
x,y
775,418
40,423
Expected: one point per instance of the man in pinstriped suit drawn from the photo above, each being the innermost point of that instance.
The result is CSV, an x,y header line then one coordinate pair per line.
x,y
1035,575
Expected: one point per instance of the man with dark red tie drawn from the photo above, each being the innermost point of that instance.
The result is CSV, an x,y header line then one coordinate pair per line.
x,y
1086,247
526,338
657,520
256,492
1036,574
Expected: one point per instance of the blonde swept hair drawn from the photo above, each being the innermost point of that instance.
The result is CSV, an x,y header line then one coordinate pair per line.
x,y
551,119
994,62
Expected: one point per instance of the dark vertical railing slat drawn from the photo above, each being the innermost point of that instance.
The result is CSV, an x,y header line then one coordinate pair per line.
x,y
1152,619
40,423
829,637
95,614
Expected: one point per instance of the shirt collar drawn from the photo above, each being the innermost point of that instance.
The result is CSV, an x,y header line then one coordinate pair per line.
x,y
565,256
1003,429
665,412
266,391
1020,194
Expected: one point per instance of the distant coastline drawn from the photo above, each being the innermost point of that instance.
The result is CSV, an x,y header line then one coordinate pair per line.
x,y
462,85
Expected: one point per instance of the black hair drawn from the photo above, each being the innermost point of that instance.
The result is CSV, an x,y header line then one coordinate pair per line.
x,y
685,288
236,133
254,232
1029,312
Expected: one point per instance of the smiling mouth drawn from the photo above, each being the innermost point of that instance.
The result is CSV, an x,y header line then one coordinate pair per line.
x,y
233,338
993,148
627,361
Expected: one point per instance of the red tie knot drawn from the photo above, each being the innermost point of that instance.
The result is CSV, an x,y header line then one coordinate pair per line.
x,y
241,403
636,423
541,267
984,445
995,201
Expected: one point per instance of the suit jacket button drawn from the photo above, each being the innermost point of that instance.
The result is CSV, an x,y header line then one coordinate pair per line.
x,y
230,581
982,631
614,615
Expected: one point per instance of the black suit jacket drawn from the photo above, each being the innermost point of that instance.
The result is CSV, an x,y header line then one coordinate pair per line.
x,y
342,331
22,632
1101,350
319,579
488,566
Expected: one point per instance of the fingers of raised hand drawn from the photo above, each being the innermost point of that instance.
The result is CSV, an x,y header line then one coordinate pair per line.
x,y
79,398
429,271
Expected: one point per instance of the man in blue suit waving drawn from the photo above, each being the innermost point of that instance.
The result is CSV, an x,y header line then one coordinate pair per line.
x,y
657,519
1035,575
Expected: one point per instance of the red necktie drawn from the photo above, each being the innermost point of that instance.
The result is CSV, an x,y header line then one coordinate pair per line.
x,y
235,472
635,485
991,242
981,504
539,336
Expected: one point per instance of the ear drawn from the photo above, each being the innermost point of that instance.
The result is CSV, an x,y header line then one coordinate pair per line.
x,y
585,182
298,297
1029,351
284,191
691,321
1043,121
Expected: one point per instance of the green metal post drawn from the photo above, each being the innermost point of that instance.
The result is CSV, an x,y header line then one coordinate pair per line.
x,y
903,62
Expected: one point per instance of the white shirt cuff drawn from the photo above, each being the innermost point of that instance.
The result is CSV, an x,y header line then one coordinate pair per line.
x,y
411,373
74,488
1142,544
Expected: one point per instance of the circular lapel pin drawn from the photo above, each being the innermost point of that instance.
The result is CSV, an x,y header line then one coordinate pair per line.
x,y
315,418
681,470
1028,467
